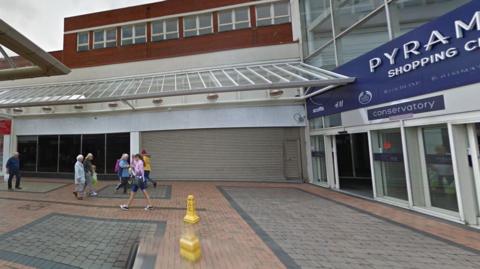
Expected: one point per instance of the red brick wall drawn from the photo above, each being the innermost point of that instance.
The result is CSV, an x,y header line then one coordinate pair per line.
x,y
246,38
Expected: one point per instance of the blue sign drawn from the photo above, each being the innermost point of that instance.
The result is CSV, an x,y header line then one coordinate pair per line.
x,y
439,55
413,107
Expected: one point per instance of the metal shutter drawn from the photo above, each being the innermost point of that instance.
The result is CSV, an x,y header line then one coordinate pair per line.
x,y
219,154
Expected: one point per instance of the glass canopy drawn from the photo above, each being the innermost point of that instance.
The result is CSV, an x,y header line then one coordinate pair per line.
x,y
258,76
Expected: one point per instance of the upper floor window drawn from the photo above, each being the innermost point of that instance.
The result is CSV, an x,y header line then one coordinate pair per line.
x,y
234,19
198,25
134,34
82,41
105,38
274,13
165,29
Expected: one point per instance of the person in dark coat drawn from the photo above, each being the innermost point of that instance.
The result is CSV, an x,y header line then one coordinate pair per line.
x,y
13,169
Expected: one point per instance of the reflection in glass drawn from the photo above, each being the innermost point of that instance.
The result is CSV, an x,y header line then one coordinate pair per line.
x,y
316,17
117,144
409,14
318,160
69,149
27,147
389,164
95,144
441,181
47,153
363,38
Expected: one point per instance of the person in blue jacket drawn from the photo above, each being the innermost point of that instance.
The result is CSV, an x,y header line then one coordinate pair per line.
x,y
13,169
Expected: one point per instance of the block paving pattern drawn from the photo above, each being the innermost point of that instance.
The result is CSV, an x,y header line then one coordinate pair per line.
x,y
160,192
65,241
227,240
317,233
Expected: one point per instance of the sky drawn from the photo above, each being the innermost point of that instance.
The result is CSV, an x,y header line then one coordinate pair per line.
x,y
42,20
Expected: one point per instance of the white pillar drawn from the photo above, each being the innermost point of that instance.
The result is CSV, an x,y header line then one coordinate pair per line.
x,y
134,143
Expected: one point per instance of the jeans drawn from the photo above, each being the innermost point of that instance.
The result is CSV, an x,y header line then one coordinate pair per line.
x,y
146,175
124,184
17,181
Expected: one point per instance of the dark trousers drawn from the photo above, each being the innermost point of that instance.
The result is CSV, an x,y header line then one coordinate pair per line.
x,y
146,175
17,181
124,184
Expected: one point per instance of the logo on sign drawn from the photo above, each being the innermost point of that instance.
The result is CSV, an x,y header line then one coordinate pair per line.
x,y
365,97
319,109
339,104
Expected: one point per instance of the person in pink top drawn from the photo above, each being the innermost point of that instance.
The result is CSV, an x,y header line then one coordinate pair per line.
x,y
139,182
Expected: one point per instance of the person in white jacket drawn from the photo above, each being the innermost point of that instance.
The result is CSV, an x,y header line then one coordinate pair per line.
x,y
79,178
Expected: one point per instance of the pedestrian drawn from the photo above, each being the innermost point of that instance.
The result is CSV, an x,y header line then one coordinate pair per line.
x,y
13,169
124,173
148,168
118,172
138,182
79,178
88,166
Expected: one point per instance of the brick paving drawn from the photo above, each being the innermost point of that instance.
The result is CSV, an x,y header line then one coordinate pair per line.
x,y
317,233
227,239
36,186
160,192
75,242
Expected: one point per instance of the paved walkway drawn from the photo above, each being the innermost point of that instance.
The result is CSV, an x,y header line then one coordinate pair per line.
x,y
310,232
243,225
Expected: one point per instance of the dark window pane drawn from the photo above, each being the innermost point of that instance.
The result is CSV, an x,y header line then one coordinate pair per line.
x,y
27,147
69,149
47,153
95,144
117,144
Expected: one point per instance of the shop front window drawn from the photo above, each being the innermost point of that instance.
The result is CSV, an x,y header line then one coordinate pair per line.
x,y
47,153
27,147
69,149
439,168
95,144
318,160
389,164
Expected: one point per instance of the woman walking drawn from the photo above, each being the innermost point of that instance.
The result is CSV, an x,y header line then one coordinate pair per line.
x,y
88,166
139,182
148,168
124,173
79,178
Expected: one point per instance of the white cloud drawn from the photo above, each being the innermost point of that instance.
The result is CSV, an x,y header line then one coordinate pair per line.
x,y
42,21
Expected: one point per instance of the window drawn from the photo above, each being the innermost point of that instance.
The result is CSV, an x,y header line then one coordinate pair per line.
x,y
95,144
117,144
165,29
47,153
27,147
105,38
69,149
234,19
134,34
274,13
198,25
82,41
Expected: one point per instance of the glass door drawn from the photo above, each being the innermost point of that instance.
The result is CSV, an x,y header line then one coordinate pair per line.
x,y
389,164
440,189
318,160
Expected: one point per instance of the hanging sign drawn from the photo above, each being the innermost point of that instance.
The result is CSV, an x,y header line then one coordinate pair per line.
x,y
439,55
5,127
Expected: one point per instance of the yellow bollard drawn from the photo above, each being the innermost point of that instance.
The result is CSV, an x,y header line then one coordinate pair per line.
x,y
190,247
191,216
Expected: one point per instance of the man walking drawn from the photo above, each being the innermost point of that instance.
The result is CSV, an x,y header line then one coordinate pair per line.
x,y
148,168
13,169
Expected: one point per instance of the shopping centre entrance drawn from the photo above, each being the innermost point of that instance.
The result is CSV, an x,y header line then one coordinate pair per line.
x,y
353,161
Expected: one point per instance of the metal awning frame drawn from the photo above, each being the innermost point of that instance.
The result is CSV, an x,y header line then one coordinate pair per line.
x,y
45,63
237,78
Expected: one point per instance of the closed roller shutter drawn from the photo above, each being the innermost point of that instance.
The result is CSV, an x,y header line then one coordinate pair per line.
x,y
219,154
